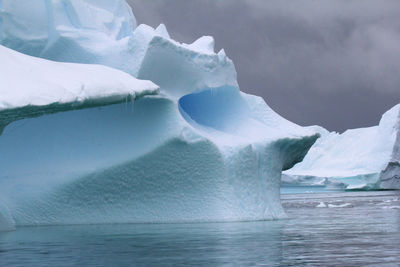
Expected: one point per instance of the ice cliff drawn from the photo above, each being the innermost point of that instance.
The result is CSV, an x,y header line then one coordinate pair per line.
x,y
365,158
32,86
201,150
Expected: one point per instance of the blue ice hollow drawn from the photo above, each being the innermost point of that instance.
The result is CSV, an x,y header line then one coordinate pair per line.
x,y
200,150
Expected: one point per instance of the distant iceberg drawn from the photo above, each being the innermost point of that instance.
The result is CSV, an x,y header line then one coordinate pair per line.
x,y
200,150
358,159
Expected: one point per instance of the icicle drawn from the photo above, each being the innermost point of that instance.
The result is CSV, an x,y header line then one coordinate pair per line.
x,y
132,103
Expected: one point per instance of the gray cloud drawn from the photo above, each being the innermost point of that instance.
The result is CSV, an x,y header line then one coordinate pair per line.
x,y
332,63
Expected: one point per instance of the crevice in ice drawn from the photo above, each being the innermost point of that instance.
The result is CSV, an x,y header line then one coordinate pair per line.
x,y
72,15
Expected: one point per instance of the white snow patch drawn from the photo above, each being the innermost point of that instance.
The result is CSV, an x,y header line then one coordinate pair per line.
x,y
29,81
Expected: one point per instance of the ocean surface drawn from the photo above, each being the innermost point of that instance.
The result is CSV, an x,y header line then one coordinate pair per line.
x,y
330,229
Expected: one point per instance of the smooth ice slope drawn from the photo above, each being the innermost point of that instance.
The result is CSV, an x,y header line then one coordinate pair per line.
x,y
200,151
366,158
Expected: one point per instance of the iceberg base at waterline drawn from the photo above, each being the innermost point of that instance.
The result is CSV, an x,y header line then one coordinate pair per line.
x,y
121,164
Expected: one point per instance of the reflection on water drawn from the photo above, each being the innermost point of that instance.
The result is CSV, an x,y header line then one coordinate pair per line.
x,y
346,229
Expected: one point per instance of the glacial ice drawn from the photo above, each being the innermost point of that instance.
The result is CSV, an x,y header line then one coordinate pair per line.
x,y
66,29
358,159
31,86
200,150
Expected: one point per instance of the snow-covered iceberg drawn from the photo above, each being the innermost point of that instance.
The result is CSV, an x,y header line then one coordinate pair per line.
x,y
358,159
201,150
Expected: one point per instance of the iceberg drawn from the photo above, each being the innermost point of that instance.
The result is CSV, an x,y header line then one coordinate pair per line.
x,y
358,159
200,150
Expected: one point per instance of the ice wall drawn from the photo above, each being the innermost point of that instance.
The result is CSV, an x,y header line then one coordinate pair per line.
x,y
135,171
365,158
201,150
83,31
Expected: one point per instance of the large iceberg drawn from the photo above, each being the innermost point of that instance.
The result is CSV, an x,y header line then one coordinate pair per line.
x,y
200,150
358,159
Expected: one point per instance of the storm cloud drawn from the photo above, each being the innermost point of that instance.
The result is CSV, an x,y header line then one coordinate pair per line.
x,y
331,63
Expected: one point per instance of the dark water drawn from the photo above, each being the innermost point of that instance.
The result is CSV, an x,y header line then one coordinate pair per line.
x,y
351,229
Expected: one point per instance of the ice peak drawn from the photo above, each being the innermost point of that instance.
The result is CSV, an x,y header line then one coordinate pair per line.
x,y
391,118
204,44
162,31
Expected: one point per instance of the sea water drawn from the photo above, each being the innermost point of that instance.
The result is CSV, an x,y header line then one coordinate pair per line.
x,y
342,229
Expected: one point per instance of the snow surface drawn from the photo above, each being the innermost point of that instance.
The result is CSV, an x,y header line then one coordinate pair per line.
x,y
365,158
29,81
200,151
37,84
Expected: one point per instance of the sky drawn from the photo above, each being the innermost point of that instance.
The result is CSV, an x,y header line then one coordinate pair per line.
x,y
329,63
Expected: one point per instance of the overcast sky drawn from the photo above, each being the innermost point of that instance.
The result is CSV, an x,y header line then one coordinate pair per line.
x,y
331,63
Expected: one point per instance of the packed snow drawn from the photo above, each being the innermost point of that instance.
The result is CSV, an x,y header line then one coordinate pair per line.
x,y
201,150
30,85
365,158
30,81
